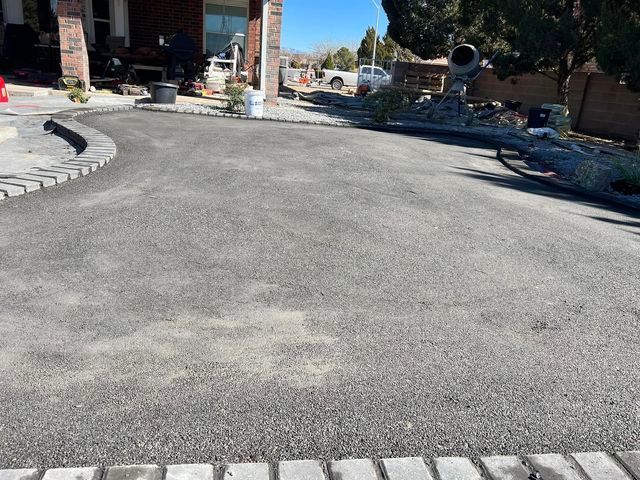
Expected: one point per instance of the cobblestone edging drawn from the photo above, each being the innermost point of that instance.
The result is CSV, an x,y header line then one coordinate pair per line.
x,y
97,150
577,466
510,149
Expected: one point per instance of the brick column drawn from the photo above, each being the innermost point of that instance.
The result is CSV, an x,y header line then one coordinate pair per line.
x,y
274,27
73,49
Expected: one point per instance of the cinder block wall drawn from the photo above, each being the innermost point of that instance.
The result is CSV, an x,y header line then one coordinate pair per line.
x,y
609,109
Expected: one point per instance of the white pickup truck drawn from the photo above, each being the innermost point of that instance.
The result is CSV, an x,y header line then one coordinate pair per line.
x,y
338,79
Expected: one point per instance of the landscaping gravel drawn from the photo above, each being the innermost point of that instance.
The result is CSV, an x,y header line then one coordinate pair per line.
x,y
287,110
302,111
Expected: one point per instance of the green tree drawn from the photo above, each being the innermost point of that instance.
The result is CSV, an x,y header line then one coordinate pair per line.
x,y
366,45
619,40
428,29
328,62
551,37
554,38
391,50
345,59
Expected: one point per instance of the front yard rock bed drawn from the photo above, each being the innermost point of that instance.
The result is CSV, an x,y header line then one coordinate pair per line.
x,y
591,169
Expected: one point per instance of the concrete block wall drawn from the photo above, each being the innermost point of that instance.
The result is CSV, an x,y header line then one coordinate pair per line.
x,y
531,90
609,108
598,104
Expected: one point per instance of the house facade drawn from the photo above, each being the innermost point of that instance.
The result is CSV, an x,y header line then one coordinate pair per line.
x,y
144,24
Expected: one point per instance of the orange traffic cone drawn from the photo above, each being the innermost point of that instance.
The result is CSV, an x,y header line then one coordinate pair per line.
x,y
4,95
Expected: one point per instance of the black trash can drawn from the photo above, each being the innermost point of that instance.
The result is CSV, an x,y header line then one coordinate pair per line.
x,y
163,92
538,117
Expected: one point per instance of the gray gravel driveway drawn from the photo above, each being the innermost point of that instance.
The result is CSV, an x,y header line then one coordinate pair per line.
x,y
238,290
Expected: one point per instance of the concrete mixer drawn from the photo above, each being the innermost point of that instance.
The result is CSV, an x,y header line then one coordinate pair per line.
x,y
464,67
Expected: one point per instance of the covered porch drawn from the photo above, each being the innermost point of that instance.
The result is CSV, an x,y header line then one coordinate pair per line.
x,y
72,30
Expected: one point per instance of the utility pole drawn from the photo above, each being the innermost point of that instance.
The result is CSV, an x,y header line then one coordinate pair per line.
x,y
375,38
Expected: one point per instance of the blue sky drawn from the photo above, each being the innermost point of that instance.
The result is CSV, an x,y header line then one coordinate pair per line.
x,y
306,22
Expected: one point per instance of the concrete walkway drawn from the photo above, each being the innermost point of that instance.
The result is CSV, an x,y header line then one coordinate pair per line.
x,y
28,142
52,104
29,100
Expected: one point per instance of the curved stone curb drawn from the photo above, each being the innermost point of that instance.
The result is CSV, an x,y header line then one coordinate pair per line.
x,y
97,150
577,466
514,164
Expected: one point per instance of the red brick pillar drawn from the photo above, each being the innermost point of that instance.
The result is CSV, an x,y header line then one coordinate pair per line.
x,y
274,27
73,49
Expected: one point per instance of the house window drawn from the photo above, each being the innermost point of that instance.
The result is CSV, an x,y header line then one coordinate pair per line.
x,y
224,20
101,20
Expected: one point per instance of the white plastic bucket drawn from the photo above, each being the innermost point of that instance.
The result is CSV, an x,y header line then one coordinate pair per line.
x,y
254,103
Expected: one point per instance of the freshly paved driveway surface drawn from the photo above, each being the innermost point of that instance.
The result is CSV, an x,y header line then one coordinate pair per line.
x,y
234,290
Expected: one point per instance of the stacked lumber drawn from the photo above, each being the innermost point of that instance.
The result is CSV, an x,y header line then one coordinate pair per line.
x,y
424,81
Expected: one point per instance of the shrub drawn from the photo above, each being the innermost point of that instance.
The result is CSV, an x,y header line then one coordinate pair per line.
x,y
629,170
78,95
235,96
386,101
328,62
593,176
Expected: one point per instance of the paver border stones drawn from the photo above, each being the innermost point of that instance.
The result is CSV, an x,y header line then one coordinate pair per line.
x,y
576,466
354,469
97,150
599,466
193,471
300,470
134,472
247,471
631,461
553,466
456,468
20,474
86,473
411,468
505,467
